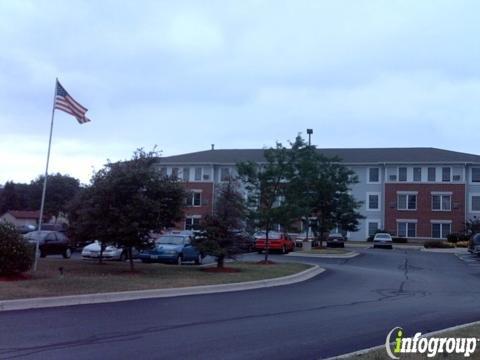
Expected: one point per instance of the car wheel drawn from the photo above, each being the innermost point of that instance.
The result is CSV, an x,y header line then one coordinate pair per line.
x,y
123,256
198,260
342,245
284,249
179,260
67,253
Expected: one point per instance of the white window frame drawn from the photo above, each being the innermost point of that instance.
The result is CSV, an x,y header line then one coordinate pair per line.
x,y
471,176
440,222
369,221
470,202
185,173
413,174
407,222
378,194
449,180
192,203
368,175
441,194
229,173
407,193
192,218
406,174
195,173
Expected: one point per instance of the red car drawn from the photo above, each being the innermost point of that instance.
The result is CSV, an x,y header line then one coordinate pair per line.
x,y
276,241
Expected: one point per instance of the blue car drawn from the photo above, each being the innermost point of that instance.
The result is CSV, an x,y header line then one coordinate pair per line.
x,y
172,248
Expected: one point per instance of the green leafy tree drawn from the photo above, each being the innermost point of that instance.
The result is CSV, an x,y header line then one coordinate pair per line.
x,y
14,196
127,200
266,184
61,189
219,232
319,188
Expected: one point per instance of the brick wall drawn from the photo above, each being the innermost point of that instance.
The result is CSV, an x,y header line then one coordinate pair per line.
x,y
424,212
206,207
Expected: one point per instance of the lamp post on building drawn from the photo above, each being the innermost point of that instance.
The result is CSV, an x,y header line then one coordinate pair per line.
x,y
309,132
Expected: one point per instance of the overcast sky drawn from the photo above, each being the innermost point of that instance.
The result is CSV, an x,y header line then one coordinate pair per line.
x,y
240,74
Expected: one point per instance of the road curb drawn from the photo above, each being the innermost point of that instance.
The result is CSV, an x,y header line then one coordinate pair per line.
x,y
348,255
373,348
97,298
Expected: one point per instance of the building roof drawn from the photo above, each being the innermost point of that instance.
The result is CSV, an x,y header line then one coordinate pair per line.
x,y
24,214
348,156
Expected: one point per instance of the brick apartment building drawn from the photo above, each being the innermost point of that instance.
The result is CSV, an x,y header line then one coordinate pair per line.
x,y
414,192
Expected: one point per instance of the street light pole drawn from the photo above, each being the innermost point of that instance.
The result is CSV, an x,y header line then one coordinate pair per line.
x,y
309,132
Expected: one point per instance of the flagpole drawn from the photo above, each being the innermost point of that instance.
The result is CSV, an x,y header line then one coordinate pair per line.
x,y
44,190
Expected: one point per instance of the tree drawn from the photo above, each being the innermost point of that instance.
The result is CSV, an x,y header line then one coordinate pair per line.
x,y
14,196
127,200
219,236
61,189
319,188
15,256
265,184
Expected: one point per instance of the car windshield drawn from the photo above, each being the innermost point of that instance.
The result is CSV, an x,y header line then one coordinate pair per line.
x,y
171,239
34,235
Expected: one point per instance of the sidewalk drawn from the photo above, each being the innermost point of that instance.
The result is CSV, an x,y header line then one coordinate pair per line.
x,y
347,255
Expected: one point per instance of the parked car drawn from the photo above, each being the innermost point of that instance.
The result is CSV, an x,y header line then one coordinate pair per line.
x,y
111,252
474,244
300,238
244,241
50,243
383,240
175,247
277,241
335,240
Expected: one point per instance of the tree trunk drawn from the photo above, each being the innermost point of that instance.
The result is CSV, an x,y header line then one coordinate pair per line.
x,y
220,261
130,257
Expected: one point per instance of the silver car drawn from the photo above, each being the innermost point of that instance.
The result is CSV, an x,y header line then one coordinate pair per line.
x,y
110,252
383,240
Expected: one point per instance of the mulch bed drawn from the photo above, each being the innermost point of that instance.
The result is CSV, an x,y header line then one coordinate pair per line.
x,y
15,277
221,270
268,262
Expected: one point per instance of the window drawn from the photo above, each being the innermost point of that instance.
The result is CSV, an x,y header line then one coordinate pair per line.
x,y
194,198
475,175
186,174
198,174
192,223
373,201
372,227
441,230
475,202
432,174
417,174
175,172
373,175
406,202
402,174
224,174
446,174
163,171
441,202
407,229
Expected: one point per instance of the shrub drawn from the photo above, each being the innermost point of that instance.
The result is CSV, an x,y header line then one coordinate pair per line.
x,y
462,244
453,238
437,244
15,255
399,240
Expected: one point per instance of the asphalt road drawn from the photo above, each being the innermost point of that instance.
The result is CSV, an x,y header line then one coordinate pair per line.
x,y
351,306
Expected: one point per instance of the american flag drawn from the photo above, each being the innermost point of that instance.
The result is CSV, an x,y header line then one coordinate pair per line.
x,y
64,102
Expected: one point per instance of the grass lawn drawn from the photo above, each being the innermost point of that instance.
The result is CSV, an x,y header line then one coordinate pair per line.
x,y
81,277
327,251
470,331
